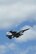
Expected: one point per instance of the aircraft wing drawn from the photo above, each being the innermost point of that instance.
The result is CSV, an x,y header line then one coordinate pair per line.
x,y
23,30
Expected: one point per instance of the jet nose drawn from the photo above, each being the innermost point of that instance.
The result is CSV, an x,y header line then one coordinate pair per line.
x,y
8,33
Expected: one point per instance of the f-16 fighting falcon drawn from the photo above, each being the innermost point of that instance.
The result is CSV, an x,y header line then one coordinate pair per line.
x,y
12,34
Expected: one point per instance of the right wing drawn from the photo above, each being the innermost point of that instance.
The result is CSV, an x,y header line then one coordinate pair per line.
x,y
23,31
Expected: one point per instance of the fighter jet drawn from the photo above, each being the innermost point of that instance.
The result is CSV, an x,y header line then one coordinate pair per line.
x,y
12,34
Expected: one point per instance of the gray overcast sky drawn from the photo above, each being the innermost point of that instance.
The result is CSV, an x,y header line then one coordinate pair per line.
x,y
12,11
14,1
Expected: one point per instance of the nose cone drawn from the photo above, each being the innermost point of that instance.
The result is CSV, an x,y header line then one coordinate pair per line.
x,y
8,33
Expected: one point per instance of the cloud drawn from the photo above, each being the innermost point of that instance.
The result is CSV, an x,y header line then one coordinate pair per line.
x,y
28,35
2,49
29,50
14,48
17,12
6,47
14,1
